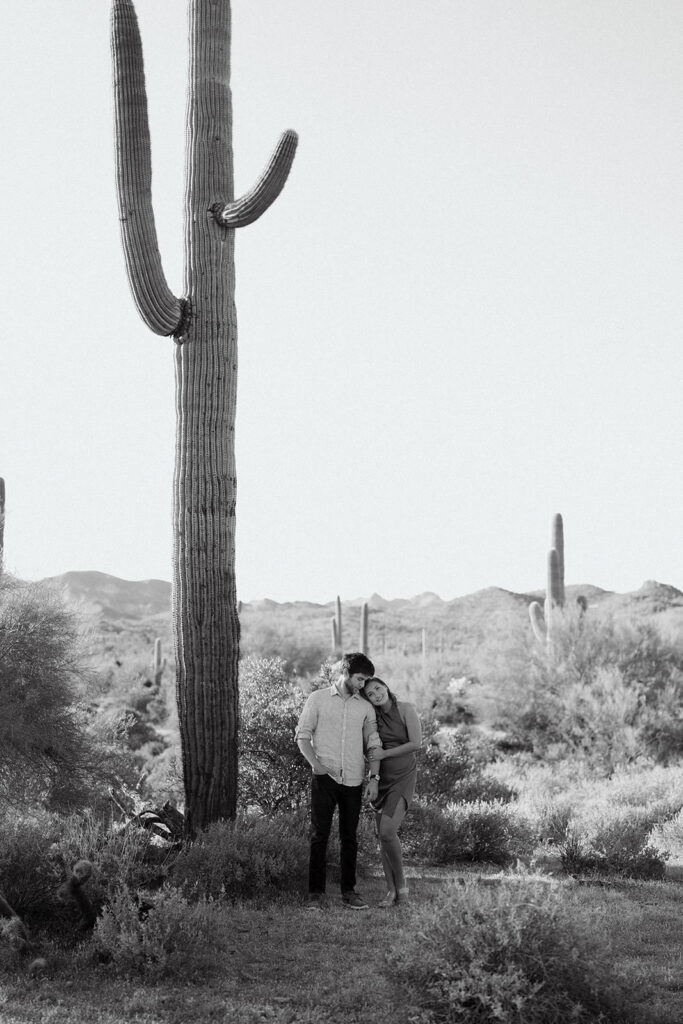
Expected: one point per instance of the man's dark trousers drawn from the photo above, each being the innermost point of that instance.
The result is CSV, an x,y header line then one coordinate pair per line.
x,y
326,794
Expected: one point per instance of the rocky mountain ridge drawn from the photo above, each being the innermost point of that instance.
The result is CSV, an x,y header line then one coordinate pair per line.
x,y
101,596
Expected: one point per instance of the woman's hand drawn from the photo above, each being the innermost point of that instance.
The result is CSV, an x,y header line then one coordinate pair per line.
x,y
376,754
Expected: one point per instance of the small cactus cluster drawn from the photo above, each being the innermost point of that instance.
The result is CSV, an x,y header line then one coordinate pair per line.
x,y
72,892
543,619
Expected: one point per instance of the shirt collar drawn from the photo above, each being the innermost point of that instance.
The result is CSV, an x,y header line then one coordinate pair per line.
x,y
334,689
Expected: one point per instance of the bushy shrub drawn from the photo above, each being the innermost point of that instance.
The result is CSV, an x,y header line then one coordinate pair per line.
x,y
273,774
486,832
615,843
163,934
301,658
453,769
47,754
514,952
606,692
252,857
37,853
30,873
668,836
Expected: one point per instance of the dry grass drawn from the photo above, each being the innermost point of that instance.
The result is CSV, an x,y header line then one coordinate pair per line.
x,y
290,966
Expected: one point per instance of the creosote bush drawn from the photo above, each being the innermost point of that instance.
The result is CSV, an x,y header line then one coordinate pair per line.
x,y
609,693
513,951
252,857
47,755
37,853
486,832
273,774
163,934
615,843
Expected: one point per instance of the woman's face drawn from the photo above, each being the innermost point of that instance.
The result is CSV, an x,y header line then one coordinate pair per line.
x,y
376,693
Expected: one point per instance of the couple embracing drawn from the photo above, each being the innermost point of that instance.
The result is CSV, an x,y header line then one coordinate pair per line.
x,y
357,720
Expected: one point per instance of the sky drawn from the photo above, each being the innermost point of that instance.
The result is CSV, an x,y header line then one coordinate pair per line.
x,y
463,314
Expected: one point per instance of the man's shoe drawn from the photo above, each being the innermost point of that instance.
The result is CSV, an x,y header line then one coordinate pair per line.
x,y
315,901
353,901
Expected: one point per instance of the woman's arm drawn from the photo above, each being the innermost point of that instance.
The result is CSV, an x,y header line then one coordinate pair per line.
x,y
414,730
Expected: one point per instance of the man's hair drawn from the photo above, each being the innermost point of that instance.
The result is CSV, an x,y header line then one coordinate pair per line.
x,y
357,662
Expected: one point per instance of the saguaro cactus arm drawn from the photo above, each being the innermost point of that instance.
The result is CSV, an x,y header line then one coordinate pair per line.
x,y
538,622
158,306
252,204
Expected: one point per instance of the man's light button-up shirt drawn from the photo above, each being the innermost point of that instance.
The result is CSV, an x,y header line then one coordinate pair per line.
x,y
341,731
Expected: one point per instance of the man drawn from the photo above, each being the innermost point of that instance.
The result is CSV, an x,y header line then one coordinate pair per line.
x,y
337,727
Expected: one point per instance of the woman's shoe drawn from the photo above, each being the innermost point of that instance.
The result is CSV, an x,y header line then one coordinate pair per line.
x,y
388,901
403,897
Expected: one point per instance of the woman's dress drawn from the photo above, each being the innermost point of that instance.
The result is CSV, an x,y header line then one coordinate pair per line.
x,y
397,774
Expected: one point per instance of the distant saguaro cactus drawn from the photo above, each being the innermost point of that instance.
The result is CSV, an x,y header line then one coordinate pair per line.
x,y
542,618
363,640
337,627
203,324
158,664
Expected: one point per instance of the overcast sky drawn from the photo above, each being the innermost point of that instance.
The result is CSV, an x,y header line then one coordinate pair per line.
x,y
463,314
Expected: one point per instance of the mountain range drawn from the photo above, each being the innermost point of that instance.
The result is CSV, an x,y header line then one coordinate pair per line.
x,y
104,598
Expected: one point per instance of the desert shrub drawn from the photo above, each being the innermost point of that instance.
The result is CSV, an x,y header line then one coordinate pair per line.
x,y
46,752
163,934
301,658
554,817
273,774
513,952
605,692
252,857
30,873
37,853
453,769
668,836
492,832
616,842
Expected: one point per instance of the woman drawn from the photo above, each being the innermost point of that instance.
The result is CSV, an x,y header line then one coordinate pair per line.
x,y
401,735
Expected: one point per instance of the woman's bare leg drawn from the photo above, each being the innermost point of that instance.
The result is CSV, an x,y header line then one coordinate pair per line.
x,y
390,848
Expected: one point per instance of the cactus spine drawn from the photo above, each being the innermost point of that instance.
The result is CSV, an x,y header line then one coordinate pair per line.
x,y
203,324
542,619
363,640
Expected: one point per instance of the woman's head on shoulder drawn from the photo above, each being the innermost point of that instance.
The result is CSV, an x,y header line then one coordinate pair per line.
x,y
377,692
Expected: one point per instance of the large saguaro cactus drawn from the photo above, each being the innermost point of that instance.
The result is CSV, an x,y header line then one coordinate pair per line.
x,y
202,323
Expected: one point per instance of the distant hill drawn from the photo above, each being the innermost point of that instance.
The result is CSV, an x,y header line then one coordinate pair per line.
x,y
100,596
108,599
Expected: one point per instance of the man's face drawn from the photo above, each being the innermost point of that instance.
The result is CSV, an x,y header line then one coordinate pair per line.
x,y
357,681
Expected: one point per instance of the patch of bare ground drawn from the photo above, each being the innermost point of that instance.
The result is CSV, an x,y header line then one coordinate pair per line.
x,y
289,965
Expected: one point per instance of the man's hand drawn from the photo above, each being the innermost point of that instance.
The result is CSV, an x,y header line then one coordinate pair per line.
x,y
320,769
371,790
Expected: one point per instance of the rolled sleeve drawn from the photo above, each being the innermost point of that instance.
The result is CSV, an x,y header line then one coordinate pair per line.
x,y
371,738
307,721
